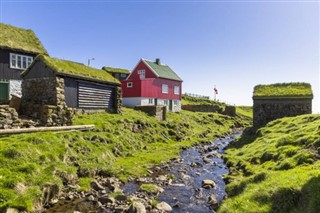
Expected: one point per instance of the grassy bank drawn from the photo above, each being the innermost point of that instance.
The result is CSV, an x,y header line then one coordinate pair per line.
x,y
122,145
278,170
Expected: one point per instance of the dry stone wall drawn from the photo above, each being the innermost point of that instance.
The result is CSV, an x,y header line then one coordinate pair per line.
x,y
202,108
118,100
159,112
265,110
44,99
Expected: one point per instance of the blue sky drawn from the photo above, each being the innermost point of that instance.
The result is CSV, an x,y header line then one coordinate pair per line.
x,y
234,45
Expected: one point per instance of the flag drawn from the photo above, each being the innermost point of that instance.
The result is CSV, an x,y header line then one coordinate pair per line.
x,y
215,90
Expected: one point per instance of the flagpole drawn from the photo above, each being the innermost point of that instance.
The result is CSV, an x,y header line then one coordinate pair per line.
x,y
214,91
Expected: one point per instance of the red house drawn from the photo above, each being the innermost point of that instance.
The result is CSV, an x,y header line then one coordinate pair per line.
x,y
152,83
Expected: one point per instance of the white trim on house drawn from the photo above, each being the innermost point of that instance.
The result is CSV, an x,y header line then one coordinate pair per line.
x,y
165,88
176,90
129,84
21,62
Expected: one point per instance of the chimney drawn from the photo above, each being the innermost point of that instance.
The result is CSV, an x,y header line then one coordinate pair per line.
x,y
158,61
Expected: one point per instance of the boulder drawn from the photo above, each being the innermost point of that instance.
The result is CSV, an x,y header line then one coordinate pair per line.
x,y
137,207
96,186
164,206
208,184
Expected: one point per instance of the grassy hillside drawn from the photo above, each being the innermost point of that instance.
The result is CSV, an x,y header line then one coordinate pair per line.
x,y
278,170
122,145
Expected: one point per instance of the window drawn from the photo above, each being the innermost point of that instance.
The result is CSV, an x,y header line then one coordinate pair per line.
x,y
122,75
176,90
164,88
142,73
175,102
129,84
20,61
150,100
166,102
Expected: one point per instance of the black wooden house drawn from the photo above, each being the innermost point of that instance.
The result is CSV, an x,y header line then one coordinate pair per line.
x,y
118,73
18,47
51,81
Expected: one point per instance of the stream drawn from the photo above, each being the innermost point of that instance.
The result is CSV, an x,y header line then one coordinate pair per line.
x,y
186,193
181,181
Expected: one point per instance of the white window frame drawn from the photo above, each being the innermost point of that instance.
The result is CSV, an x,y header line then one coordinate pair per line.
x,y
122,75
142,73
21,62
166,102
150,100
175,102
176,90
165,88
129,84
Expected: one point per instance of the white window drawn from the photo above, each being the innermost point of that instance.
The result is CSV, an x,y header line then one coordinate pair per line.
x,y
176,90
142,73
123,75
129,84
165,88
166,102
20,61
150,100
175,102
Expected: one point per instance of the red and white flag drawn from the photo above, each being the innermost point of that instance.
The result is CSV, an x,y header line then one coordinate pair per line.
x,y
215,90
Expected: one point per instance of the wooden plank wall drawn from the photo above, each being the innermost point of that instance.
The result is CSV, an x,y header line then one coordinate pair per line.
x,y
95,96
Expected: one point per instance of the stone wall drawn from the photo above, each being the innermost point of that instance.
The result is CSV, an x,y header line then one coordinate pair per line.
x,y
44,99
230,110
8,117
41,91
15,87
265,110
118,100
160,112
202,108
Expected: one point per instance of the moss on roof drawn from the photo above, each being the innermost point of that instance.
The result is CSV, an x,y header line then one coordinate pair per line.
x,y
163,71
74,69
283,90
20,39
116,70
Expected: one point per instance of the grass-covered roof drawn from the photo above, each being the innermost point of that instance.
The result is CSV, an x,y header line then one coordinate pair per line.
x,y
116,70
74,69
20,40
163,71
283,90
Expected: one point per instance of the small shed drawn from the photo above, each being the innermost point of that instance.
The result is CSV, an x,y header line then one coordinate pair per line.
x,y
51,81
279,100
118,73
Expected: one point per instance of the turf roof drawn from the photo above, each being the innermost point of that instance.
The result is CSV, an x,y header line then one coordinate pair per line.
x,y
163,71
283,90
116,70
20,40
74,69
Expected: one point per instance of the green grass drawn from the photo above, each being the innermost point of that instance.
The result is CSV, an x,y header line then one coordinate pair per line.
x,y
20,39
150,188
71,68
277,170
245,111
283,89
116,70
122,145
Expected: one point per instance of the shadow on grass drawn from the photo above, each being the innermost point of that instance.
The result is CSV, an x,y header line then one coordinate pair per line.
x,y
248,136
310,196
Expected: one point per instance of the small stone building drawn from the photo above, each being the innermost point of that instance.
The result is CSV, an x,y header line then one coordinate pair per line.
x,y
275,101
52,85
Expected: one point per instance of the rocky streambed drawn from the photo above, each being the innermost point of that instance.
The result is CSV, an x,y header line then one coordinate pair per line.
x,y
192,182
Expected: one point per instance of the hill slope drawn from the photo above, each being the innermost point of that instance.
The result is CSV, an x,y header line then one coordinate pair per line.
x,y
278,170
122,145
